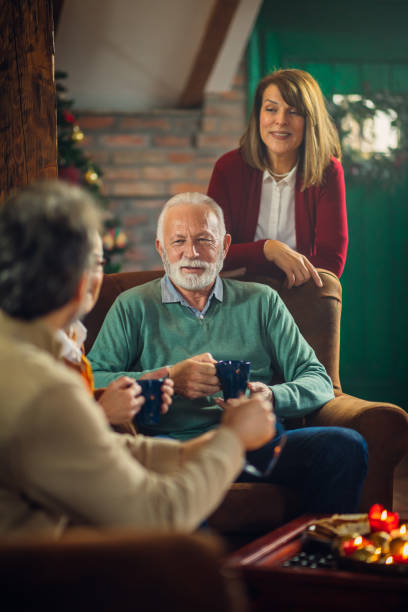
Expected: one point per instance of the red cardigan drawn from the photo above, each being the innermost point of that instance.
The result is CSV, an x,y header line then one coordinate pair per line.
x,y
320,215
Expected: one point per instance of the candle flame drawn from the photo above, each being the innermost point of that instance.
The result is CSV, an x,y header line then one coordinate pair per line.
x,y
358,540
389,560
404,551
403,529
384,515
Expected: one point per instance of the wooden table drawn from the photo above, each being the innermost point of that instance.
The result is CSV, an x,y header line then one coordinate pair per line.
x,y
275,588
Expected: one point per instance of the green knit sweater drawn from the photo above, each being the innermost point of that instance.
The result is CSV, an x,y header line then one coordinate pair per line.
x,y
141,334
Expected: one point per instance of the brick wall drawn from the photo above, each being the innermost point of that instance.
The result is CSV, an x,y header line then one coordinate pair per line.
x,y
148,157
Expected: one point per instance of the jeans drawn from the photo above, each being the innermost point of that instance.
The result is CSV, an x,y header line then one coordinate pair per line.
x,y
327,464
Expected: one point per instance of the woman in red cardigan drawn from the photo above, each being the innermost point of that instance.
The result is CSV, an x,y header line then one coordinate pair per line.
x,y
282,191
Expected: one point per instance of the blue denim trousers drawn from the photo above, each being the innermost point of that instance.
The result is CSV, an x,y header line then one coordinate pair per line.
x,y
326,464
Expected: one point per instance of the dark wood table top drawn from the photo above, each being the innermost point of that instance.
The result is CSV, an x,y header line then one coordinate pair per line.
x,y
274,587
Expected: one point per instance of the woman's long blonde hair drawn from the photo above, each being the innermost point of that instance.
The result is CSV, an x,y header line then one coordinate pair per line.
x,y
300,90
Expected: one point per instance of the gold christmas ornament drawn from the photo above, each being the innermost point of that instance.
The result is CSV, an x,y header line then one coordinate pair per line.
x,y
381,539
368,554
91,177
77,135
121,240
108,241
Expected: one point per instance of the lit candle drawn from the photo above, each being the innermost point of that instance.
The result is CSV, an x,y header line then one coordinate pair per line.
x,y
402,531
386,560
348,547
382,520
398,545
402,556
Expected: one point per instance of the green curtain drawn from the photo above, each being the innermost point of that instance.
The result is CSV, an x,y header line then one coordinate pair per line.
x,y
353,48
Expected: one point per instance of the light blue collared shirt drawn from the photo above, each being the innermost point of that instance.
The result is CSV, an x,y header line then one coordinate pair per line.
x,y
170,295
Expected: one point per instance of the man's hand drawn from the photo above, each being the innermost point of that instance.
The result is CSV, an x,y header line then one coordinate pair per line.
x,y
256,388
121,400
296,266
251,419
195,377
263,390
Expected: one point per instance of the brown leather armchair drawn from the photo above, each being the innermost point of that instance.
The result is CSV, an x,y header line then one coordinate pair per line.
x,y
117,569
259,507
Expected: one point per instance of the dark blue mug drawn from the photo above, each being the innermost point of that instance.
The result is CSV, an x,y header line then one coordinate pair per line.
x,y
149,414
233,376
260,462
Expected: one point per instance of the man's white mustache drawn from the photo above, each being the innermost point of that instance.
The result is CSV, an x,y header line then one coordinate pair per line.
x,y
192,263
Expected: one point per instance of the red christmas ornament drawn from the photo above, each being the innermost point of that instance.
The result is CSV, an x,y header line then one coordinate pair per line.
x,y
69,117
71,174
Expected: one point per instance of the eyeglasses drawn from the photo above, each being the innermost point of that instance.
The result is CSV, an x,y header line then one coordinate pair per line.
x,y
100,260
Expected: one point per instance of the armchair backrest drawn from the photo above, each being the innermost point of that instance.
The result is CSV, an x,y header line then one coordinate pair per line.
x,y
317,311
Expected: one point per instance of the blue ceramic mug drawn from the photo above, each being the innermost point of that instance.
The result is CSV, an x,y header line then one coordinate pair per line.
x,y
260,462
149,414
233,376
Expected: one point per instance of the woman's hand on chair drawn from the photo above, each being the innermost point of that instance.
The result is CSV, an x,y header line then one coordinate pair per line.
x,y
296,266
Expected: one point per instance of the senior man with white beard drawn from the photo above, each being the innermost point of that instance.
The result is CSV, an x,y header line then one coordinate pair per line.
x,y
191,318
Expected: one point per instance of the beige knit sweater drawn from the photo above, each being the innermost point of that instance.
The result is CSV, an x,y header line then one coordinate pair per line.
x,y
60,463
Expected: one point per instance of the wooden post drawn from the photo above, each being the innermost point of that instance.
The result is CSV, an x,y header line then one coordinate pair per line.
x,y
28,123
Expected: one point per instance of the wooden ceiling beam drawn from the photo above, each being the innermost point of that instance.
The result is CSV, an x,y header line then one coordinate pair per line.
x,y
216,30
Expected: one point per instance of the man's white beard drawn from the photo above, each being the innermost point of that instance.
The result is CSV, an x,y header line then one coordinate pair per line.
x,y
193,281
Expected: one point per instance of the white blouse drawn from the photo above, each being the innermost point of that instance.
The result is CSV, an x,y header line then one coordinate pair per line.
x,y
276,219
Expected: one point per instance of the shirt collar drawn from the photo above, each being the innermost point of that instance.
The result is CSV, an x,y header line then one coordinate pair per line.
x,y
288,180
72,341
69,349
171,295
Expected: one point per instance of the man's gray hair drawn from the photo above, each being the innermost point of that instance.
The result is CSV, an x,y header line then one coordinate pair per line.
x,y
46,240
194,199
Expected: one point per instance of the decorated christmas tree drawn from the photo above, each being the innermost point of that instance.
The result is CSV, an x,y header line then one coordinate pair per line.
x,y
77,167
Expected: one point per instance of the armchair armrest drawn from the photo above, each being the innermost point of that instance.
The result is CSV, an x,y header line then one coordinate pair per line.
x,y
117,569
385,429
